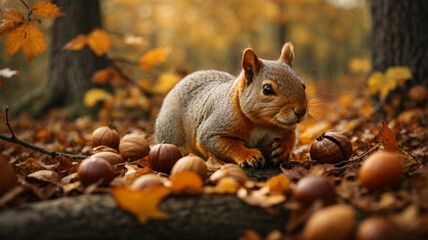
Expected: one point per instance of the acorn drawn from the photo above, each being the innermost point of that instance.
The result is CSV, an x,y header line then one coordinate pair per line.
x,y
103,148
336,222
106,136
229,170
311,188
133,146
92,170
147,181
331,147
112,158
190,163
376,228
381,169
163,156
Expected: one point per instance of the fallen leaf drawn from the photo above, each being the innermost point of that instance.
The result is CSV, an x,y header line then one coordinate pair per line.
x,y
45,176
388,139
12,19
186,182
99,42
384,83
47,9
226,185
279,184
95,95
142,203
250,235
8,73
76,43
7,176
154,57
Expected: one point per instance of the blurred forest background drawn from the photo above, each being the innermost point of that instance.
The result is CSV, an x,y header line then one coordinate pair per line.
x,y
331,38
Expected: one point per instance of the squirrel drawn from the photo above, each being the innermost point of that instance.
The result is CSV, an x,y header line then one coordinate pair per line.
x,y
245,119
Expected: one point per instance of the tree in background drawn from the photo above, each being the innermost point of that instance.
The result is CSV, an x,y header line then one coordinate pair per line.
x,y
69,72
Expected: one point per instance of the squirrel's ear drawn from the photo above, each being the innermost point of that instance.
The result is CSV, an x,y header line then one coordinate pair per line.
x,y
251,64
287,53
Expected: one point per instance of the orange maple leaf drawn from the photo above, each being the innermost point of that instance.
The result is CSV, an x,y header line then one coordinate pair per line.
x,y
142,203
154,57
99,41
186,182
12,20
76,43
389,141
47,9
30,38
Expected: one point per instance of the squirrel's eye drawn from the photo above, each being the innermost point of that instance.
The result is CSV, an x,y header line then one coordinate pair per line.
x,y
304,86
267,90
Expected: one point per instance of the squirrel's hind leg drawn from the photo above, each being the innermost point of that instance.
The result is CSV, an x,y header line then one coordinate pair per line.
x,y
169,124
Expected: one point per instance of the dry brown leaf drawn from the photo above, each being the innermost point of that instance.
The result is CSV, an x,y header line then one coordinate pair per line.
x,y
7,176
47,9
12,19
186,182
99,42
76,43
389,141
45,176
142,203
154,57
279,184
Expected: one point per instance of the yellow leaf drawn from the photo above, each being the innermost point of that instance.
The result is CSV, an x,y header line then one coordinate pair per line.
x,y
99,41
47,9
76,43
165,82
187,182
154,57
279,184
384,83
94,95
12,19
142,203
34,43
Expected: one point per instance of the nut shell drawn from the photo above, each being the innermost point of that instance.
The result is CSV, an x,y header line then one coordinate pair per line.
x,y
105,136
229,170
112,158
331,147
336,222
147,181
133,146
376,228
91,170
103,148
310,188
381,169
163,156
190,163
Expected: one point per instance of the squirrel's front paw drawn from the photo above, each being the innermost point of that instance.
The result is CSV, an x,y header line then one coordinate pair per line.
x,y
280,152
252,158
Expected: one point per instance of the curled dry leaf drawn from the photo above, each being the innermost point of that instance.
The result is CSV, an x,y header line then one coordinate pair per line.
x,y
142,203
45,176
261,197
186,182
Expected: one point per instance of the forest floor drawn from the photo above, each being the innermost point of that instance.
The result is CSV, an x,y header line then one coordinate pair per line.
x,y
40,177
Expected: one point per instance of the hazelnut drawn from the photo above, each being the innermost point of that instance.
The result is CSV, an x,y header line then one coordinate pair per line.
x,y
336,222
105,136
229,170
331,147
310,188
190,163
103,148
418,93
133,146
381,169
163,156
376,228
147,181
91,170
112,158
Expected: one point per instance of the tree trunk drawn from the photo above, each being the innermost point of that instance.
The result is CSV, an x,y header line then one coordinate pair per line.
x,y
400,36
69,71
98,217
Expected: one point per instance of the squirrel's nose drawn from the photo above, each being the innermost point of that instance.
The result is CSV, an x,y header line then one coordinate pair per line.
x,y
299,111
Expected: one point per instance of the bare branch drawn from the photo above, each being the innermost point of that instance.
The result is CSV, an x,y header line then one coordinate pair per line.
x,y
7,123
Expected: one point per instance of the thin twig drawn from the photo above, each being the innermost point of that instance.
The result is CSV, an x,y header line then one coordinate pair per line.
x,y
25,4
7,123
14,139
358,158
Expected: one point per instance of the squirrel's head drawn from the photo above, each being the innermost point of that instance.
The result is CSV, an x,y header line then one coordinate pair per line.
x,y
270,91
